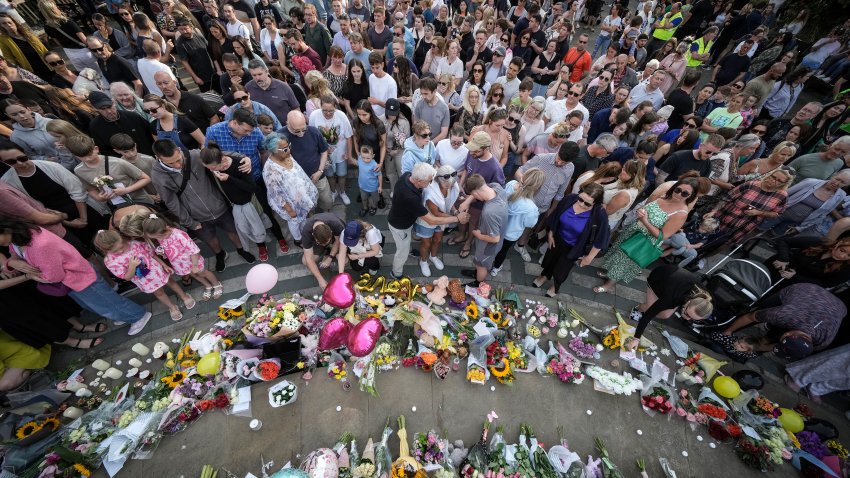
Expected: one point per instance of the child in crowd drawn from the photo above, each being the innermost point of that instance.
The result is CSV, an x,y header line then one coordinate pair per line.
x,y
266,124
686,242
369,180
111,181
136,261
738,348
660,126
747,112
523,98
125,145
182,253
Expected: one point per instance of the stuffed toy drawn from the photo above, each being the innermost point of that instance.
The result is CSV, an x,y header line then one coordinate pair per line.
x,y
437,296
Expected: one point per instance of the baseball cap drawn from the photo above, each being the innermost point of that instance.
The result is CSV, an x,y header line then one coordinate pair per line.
x,y
351,235
632,34
479,140
500,50
794,347
391,107
99,99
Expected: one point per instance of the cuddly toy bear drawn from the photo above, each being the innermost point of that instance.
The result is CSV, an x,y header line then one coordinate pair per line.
x,y
437,296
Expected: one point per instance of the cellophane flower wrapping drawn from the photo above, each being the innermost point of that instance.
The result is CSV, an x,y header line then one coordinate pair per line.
x,y
609,468
271,320
429,450
496,456
477,459
365,467
476,369
746,403
383,458
542,466
523,466
657,396
367,370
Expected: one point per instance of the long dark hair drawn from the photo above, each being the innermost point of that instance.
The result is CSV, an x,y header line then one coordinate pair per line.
x,y
21,231
350,79
692,182
483,75
401,74
373,120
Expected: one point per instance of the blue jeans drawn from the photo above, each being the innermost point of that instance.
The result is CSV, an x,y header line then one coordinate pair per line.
x,y
100,299
601,44
678,242
510,166
838,68
539,90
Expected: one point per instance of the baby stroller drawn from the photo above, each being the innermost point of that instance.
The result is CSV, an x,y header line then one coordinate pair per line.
x,y
736,285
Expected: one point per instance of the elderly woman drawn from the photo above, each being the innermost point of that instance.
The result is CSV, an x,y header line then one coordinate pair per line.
x,y
126,99
578,231
810,202
746,206
439,198
291,193
674,64
781,154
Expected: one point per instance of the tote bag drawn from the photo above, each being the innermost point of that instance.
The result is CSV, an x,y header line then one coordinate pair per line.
x,y
642,249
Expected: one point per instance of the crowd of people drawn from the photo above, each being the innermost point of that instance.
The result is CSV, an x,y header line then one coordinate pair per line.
x,y
571,130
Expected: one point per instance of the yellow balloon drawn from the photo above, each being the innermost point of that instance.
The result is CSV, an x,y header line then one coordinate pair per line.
x,y
790,420
726,387
209,364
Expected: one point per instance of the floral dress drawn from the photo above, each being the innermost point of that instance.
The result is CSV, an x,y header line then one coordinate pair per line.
x,y
289,186
619,266
178,248
150,275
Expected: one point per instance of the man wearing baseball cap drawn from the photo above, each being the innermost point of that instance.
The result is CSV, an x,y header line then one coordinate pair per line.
x,y
801,319
361,244
111,121
496,67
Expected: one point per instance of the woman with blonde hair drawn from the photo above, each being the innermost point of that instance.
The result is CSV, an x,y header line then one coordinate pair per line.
x,y
317,86
62,130
68,35
170,124
22,47
446,90
470,111
605,174
126,99
781,154
522,212
532,120
621,194
434,56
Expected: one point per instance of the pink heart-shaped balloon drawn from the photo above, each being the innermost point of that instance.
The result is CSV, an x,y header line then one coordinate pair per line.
x,y
334,333
340,291
364,336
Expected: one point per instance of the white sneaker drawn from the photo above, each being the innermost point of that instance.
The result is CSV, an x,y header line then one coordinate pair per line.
x,y
495,271
333,197
523,252
344,198
425,268
437,263
140,324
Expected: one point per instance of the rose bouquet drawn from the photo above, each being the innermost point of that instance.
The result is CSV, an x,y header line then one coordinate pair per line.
x,y
429,450
477,459
760,405
566,367
497,463
778,443
365,467
282,394
523,467
754,453
724,431
272,320
686,408
658,400
619,384
267,369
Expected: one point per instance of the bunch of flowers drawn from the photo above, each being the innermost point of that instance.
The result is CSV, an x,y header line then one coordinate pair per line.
x,y
337,370
658,400
284,394
690,373
582,349
475,463
275,318
195,386
267,370
566,367
230,314
104,181
811,442
542,466
496,316
303,64
425,360
837,449
612,339
763,407
754,454
409,359
714,411
685,408
777,442
476,374
620,384
219,400
385,356
30,428
428,448
516,356
181,419
471,310
723,431
499,363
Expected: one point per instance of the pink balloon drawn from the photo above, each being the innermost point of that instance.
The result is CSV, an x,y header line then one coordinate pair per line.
x,y
261,278
334,333
364,336
340,291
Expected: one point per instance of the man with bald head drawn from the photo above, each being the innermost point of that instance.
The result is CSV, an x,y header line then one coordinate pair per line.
x,y
310,150
624,75
114,67
190,104
151,64
762,85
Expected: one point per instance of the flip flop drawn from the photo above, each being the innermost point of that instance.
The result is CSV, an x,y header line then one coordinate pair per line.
x,y
599,290
89,343
175,314
98,327
464,253
453,242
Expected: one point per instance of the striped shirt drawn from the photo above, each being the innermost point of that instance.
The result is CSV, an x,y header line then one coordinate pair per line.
x,y
557,179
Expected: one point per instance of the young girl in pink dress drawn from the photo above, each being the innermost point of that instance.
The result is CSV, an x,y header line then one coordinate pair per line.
x,y
136,261
182,253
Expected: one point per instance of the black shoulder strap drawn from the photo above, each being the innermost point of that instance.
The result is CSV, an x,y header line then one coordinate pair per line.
x,y
187,172
106,164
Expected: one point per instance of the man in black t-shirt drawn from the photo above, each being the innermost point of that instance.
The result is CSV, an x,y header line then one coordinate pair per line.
x,y
191,49
114,67
733,66
681,162
321,230
111,121
407,207
681,101
190,104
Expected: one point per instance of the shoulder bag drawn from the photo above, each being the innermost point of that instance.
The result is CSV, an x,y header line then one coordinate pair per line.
x,y
642,249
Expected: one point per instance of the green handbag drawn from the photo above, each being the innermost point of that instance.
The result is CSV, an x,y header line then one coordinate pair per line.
x,y
642,249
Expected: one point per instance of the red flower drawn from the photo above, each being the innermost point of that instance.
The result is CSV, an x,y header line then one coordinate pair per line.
x,y
205,405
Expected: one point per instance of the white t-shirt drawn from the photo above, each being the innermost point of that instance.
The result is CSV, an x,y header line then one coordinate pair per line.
x,y
373,236
238,28
455,69
147,68
449,156
335,131
617,22
434,194
382,89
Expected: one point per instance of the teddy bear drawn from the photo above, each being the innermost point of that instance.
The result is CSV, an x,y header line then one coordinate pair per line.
x,y
437,295
456,291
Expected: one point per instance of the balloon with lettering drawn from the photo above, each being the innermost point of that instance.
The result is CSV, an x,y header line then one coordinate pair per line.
x,y
340,291
364,336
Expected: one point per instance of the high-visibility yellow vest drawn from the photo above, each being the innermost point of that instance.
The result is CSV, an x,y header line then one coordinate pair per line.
x,y
703,49
665,35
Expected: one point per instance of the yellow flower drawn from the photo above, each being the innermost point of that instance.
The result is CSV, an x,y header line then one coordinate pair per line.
x,y
52,422
237,312
187,363
170,364
81,469
472,310
174,379
227,343
300,365
26,430
225,314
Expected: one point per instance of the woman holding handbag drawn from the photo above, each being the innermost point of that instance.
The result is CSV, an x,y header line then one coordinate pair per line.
x,y
639,244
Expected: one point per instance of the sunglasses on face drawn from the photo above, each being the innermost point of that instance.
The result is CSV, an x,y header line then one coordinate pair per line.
x,y
513,120
242,98
19,159
152,110
56,63
497,95
681,192
585,202
426,134
737,86
448,176
604,78
477,70
573,93
96,50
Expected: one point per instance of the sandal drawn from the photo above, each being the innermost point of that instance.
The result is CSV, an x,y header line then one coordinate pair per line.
x,y
534,282
186,280
218,290
207,293
600,289
464,253
189,303
83,343
175,313
602,274
98,327
454,241
551,296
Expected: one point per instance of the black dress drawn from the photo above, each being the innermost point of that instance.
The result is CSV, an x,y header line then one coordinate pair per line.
x,y
34,318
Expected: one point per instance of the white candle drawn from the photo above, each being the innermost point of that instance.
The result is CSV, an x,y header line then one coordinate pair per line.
x,y
134,362
83,393
73,386
100,364
112,373
141,349
72,412
255,424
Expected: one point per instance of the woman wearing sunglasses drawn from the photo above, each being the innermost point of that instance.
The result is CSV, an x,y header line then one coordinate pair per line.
x,y
439,198
291,193
663,217
170,124
578,231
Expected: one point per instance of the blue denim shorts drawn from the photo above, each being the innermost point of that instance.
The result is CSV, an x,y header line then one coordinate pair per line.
x,y
339,169
426,231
